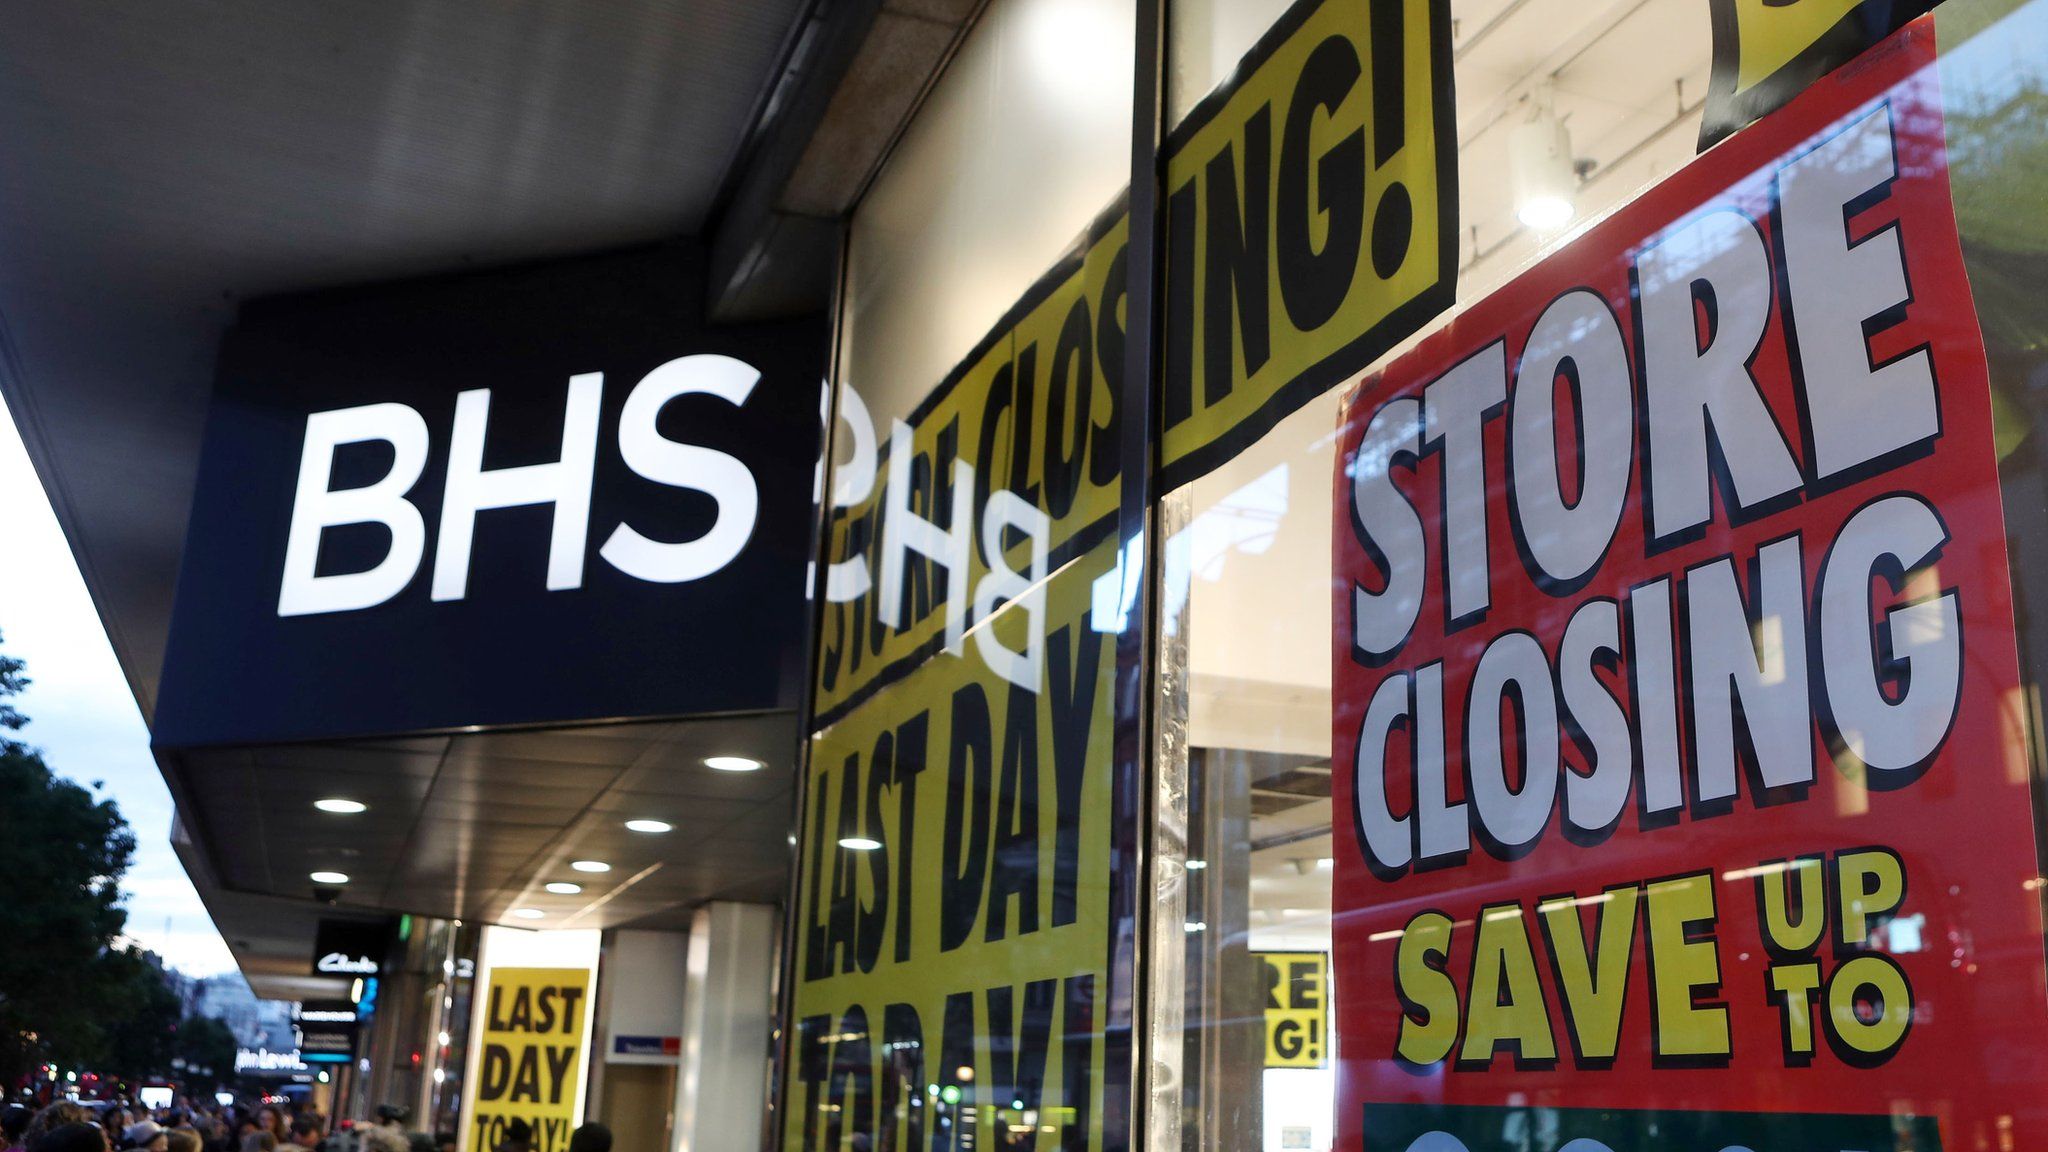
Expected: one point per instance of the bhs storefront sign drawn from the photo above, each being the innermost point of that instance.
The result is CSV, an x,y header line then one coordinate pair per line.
x,y
541,496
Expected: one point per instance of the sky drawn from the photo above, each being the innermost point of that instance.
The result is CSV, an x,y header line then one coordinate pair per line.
x,y
84,718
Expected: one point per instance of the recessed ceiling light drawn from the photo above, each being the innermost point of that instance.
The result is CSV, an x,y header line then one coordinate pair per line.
x,y
590,866
650,826
529,913
733,764
329,877
564,888
860,844
340,806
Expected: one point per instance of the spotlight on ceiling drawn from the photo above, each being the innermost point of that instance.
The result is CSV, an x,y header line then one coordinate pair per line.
x,y
341,807
650,826
564,888
329,877
590,866
733,764
1540,169
529,913
860,844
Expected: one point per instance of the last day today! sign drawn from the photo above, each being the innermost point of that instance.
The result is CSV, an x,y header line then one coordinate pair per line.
x,y
1680,762
532,1053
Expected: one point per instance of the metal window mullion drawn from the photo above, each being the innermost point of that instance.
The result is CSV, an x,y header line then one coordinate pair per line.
x,y
1132,705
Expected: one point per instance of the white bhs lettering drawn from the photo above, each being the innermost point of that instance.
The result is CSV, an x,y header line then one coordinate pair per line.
x,y
470,488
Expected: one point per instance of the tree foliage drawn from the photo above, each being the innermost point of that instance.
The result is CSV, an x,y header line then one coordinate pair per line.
x,y
61,978
143,1017
11,684
208,1049
68,994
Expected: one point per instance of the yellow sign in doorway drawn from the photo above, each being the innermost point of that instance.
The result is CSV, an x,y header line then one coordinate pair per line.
x,y
532,1051
1297,998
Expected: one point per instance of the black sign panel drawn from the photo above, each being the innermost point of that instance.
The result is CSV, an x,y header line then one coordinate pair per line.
x,y
327,1031
539,496
350,948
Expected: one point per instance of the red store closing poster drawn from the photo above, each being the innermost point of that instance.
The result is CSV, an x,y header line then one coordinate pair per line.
x,y
1680,750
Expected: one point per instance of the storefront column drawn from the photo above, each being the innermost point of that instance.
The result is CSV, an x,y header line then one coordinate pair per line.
x,y
636,1046
721,1093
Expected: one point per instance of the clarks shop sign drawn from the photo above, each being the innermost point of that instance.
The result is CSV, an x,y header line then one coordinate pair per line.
x,y
540,496
350,948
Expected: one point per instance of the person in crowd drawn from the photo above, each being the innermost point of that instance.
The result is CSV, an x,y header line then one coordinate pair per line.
x,y
144,1136
51,1118
181,1140
592,1137
215,1135
71,1136
307,1132
13,1125
383,1138
518,1137
271,1119
259,1141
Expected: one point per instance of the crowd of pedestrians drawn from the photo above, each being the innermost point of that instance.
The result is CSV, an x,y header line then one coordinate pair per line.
x,y
69,1126
100,1126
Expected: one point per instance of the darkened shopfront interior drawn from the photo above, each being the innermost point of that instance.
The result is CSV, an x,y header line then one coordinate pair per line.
x,y
948,979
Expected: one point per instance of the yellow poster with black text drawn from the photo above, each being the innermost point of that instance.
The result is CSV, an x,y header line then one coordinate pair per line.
x,y
1311,220
1311,226
1768,51
1297,988
531,1058
952,932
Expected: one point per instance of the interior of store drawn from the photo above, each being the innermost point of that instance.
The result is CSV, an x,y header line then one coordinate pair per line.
x,y
1245,602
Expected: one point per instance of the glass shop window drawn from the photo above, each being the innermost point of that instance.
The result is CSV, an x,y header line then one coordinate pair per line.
x,y
957,792
1488,819
1243,994
1023,140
